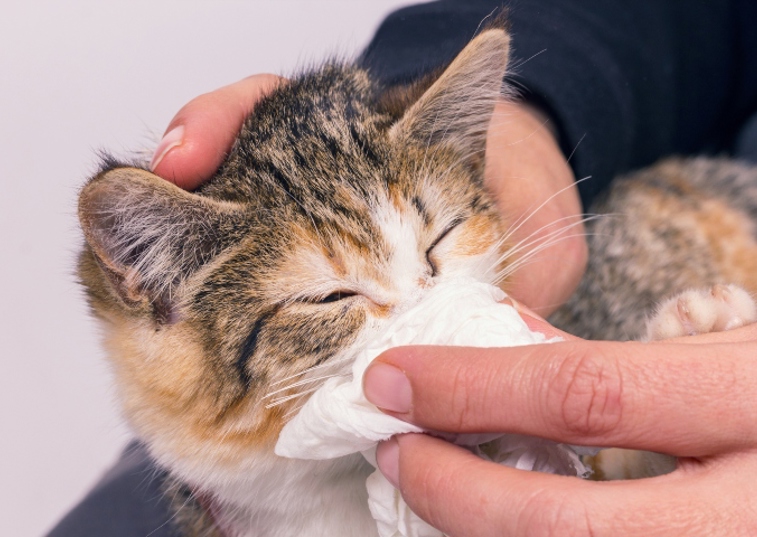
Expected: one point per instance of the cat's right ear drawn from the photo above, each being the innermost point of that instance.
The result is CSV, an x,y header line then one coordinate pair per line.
x,y
148,235
457,108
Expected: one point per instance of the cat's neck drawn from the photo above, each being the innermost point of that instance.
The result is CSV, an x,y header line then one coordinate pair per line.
x,y
290,498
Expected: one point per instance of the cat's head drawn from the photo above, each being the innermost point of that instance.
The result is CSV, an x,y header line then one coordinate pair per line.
x,y
330,216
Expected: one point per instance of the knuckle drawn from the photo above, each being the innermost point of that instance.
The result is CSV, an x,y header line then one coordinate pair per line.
x,y
584,395
471,392
462,412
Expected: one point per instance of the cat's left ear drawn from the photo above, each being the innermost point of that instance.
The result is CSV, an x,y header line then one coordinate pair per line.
x,y
457,108
148,235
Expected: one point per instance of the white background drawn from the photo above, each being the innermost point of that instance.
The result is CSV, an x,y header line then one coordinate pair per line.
x,y
76,77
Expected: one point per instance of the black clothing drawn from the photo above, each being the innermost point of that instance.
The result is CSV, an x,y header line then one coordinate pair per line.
x,y
127,502
630,80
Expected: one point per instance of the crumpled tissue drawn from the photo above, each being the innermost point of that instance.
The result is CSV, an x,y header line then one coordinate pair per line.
x,y
338,420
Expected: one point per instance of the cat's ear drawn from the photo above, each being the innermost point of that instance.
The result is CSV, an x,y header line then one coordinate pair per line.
x,y
149,235
458,106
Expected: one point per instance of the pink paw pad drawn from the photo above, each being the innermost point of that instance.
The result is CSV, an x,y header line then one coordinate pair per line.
x,y
700,311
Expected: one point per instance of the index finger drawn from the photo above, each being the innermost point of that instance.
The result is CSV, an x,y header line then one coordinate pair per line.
x,y
681,399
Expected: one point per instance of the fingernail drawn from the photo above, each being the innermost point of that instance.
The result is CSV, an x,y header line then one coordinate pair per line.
x,y
388,388
172,139
388,460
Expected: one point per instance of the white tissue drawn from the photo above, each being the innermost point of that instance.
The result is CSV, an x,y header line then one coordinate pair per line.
x,y
338,420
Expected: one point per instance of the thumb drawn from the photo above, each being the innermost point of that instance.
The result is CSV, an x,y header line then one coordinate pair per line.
x,y
201,134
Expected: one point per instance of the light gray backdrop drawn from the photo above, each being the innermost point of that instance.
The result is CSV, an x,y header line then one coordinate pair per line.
x,y
77,76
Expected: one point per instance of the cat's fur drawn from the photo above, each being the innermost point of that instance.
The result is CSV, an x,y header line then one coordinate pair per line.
x,y
339,204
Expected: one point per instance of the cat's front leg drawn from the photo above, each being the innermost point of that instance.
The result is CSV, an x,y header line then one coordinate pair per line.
x,y
696,311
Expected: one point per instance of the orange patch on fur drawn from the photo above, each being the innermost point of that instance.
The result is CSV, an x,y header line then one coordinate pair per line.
x,y
336,262
397,197
728,232
476,236
167,398
730,235
248,424
382,311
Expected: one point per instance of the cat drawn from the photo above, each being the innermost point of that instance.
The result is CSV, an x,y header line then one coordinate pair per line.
x,y
338,205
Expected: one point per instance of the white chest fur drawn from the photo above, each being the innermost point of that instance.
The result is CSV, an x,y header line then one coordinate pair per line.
x,y
277,497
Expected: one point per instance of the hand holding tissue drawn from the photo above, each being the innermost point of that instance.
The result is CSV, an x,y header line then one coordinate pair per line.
x,y
338,420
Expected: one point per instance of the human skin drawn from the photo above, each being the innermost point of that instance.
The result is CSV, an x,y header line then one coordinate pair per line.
x,y
525,170
691,397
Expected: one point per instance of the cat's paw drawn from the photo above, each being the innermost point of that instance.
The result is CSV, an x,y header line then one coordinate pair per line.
x,y
700,311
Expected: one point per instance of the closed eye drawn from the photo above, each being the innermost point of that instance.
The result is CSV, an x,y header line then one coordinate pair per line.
x,y
440,238
336,296
316,296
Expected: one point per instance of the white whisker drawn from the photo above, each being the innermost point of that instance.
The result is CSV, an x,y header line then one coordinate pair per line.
x,y
575,148
330,363
528,215
518,65
281,400
540,244
298,384
526,259
534,239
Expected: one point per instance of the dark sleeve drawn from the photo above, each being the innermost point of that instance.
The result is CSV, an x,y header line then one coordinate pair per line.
x,y
626,81
127,502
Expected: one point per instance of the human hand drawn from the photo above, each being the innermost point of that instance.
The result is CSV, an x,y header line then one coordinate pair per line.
x,y
202,132
536,193
692,397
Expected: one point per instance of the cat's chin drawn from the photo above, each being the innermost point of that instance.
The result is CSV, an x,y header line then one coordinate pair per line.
x,y
266,495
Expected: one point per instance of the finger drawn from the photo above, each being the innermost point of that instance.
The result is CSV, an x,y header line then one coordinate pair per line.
x,y
685,400
465,496
738,335
201,134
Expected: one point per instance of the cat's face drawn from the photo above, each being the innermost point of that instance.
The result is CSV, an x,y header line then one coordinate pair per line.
x,y
329,217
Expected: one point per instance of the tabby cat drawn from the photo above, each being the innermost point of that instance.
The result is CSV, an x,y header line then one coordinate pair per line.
x,y
338,206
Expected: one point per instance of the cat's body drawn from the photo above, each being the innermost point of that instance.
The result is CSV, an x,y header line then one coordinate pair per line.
x,y
338,205
679,225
